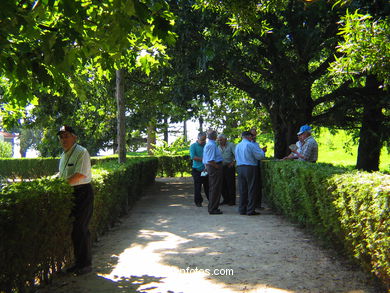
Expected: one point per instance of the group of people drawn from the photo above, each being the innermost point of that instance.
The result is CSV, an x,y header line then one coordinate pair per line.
x,y
214,167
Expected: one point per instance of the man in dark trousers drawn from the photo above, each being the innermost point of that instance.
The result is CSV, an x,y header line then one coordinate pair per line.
x,y
212,159
247,156
75,168
199,173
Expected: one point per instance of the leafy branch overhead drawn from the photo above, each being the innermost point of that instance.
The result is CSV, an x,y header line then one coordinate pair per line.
x,y
44,42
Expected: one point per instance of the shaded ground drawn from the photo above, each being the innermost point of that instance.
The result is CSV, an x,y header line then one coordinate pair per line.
x,y
166,244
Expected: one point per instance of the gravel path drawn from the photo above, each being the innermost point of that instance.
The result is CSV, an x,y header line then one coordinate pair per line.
x,y
166,244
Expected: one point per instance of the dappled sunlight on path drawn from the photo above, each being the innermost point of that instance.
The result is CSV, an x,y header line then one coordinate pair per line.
x,y
166,244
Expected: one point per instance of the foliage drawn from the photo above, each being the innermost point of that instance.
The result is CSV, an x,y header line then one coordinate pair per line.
x,y
5,149
349,210
365,47
172,166
175,148
35,223
35,226
117,187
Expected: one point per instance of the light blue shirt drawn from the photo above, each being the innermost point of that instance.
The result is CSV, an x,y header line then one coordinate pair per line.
x,y
196,150
248,153
211,152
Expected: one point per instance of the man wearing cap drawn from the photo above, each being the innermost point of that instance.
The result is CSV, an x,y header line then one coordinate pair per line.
x,y
75,168
309,148
247,156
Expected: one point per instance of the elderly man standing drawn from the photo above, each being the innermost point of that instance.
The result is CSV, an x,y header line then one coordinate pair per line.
x,y
75,168
309,149
198,169
212,159
247,156
228,170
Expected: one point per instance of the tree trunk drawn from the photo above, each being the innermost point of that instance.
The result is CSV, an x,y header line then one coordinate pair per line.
x,y
371,131
370,141
185,130
286,127
200,124
121,129
166,132
151,140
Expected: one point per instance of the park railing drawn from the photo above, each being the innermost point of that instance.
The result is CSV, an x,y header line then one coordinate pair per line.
x,y
35,224
348,209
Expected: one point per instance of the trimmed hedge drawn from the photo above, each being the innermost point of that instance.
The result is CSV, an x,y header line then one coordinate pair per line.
x,y
32,168
348,209
174,165
35,224
34,231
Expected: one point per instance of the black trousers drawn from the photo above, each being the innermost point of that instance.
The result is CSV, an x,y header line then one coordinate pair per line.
x,y
215,183
198,182
248,187
229,185
82,213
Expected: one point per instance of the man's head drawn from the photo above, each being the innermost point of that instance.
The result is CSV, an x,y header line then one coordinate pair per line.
x,y
67,137
201,138
212,134
247,135
304,132
222,139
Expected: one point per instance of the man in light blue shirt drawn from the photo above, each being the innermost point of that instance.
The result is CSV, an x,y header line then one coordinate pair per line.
x,y
212,159
196,154
247,156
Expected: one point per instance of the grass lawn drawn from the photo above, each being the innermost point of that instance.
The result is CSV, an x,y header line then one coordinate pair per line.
x,y
339,149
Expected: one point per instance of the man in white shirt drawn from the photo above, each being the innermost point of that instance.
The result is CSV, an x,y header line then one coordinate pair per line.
x,y
75,168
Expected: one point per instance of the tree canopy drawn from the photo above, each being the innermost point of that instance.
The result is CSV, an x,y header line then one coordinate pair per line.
x,y
277,64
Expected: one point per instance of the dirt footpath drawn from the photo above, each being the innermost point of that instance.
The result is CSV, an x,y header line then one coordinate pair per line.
x,y
166,244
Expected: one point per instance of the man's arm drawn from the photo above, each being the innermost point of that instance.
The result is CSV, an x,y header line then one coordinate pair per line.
x,y
75,178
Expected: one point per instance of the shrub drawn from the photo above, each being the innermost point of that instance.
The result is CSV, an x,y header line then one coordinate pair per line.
x,y
171,166
35,224
34,231
5,149
347,209
31,168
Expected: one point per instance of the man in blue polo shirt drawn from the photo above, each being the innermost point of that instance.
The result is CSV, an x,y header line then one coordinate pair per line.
x,y
247,156
198,169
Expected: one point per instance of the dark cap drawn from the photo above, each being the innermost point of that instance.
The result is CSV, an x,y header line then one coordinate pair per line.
x,y
66,128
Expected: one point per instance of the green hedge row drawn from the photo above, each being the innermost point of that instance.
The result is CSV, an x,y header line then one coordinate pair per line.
x,y
35,224
174,165
31,168
348,209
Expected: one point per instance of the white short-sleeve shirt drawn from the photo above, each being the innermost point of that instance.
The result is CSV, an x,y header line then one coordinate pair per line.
x,y
76,160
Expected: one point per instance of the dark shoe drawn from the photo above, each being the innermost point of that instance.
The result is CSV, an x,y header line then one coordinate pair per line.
x,y
83,270
222,203
199,204
243,214
217,212
253,214
72,269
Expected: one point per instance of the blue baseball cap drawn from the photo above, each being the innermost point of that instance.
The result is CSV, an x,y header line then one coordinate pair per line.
x,y
304,128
